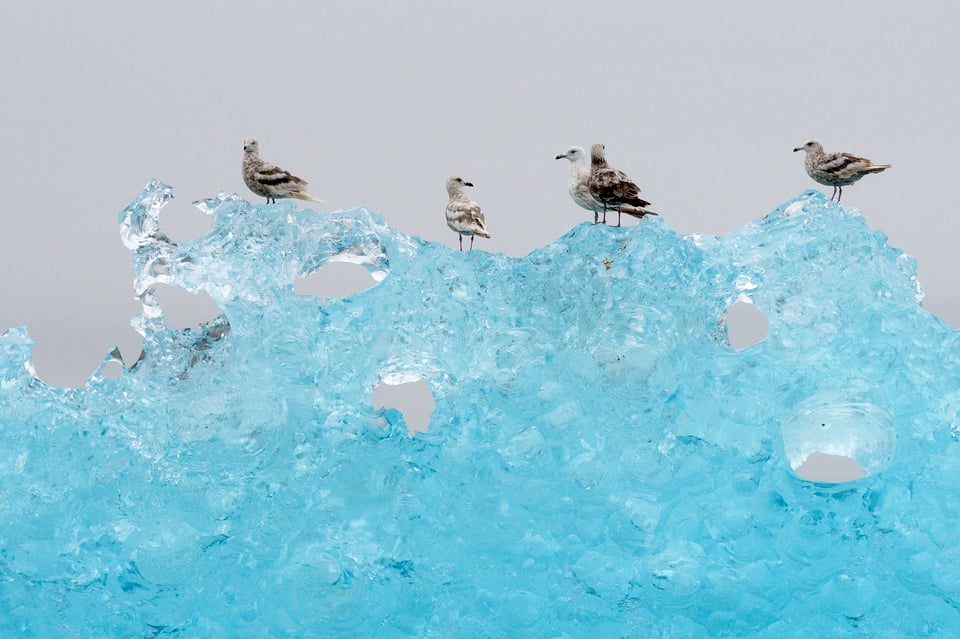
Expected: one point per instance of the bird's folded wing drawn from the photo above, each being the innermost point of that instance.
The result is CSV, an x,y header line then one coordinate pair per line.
x,y
466,210
272,175
844,164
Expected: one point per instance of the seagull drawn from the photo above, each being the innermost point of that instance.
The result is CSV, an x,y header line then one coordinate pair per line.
x,y
836,169
579,186
463,214
613,189
270,180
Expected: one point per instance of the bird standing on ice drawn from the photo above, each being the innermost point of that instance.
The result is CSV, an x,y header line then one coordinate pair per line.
x,y
613,189
270,180
579,185
463,214
836,169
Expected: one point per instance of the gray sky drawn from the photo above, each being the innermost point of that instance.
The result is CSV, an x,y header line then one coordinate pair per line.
x,y
376,103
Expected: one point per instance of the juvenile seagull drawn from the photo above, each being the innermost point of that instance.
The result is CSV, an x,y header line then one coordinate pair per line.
x,y
836,169
463,214
270,180
613,189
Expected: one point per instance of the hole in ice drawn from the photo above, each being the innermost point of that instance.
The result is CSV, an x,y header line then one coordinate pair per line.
x,y
335,279
185,310
409,395
183,223
837,441
746,324
112,369
826,468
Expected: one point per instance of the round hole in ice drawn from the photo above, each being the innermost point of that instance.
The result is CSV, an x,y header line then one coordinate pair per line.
x,y
112,369
182,309
746,324
335,279
408,394
830,440
829,469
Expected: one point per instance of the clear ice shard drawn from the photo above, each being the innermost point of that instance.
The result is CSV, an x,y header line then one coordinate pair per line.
x,y
600,462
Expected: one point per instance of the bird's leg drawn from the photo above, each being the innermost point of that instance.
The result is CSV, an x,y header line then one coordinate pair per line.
x,y
834,194
461,241
471,242
839,193
604,213
596,216
618,216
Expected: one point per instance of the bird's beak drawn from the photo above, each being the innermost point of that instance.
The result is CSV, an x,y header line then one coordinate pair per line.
x,y
468,183
799,148
559,157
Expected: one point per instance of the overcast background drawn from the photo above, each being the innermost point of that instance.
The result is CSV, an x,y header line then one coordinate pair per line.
x,y
375,104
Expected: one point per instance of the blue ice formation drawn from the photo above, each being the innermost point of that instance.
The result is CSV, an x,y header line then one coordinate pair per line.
x,y
600,463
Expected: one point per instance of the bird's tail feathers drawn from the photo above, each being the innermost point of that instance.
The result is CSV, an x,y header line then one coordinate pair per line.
x,y
636,211
482,233
302,195
876,168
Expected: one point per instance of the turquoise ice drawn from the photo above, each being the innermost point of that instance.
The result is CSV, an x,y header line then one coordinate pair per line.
x,y
600,463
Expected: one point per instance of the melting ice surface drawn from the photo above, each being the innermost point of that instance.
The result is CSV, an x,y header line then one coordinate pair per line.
x,y
600,463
